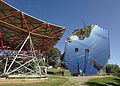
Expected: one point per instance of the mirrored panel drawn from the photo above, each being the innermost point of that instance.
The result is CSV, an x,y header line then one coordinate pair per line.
x,y
87,50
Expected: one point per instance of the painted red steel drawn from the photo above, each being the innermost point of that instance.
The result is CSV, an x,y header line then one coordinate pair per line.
x,y
48,39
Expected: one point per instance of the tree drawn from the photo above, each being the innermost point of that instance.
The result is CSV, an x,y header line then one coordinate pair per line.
x,y
52,57
112,68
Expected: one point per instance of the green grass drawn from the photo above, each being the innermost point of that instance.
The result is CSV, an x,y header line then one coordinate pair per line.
x,y
106,81
59,72
51,81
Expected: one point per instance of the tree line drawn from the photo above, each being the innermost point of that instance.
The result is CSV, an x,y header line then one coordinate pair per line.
x,y
112,68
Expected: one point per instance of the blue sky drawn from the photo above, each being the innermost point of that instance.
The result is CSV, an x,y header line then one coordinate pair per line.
x,y
69,13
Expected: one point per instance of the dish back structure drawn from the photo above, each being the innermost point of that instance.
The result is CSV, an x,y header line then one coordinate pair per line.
x,y
24,39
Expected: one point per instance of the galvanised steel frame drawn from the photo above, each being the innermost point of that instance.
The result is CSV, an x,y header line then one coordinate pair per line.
x,y
17,59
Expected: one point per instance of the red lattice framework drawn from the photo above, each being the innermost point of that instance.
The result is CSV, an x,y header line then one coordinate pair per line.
x,y
26,38
15,26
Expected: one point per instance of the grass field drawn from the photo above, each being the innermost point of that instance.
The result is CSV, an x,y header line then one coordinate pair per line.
x,y
59,72
106,81
51,81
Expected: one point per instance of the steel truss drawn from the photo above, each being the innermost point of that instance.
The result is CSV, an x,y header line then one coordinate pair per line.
x,y
24,64
23,40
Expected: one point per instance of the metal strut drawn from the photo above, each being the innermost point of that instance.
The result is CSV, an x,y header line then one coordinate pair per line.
x,y
10,68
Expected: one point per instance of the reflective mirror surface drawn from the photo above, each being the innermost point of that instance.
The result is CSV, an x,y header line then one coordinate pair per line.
x,y
93,50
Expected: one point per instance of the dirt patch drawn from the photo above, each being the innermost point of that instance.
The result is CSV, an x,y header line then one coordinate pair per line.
x,y
80,80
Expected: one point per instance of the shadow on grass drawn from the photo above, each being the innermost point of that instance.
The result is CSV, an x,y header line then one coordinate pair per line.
x,y
113,84
50,73
116,82
95,84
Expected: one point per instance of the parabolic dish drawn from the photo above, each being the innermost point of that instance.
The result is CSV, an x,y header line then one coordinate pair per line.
x,y
93,49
